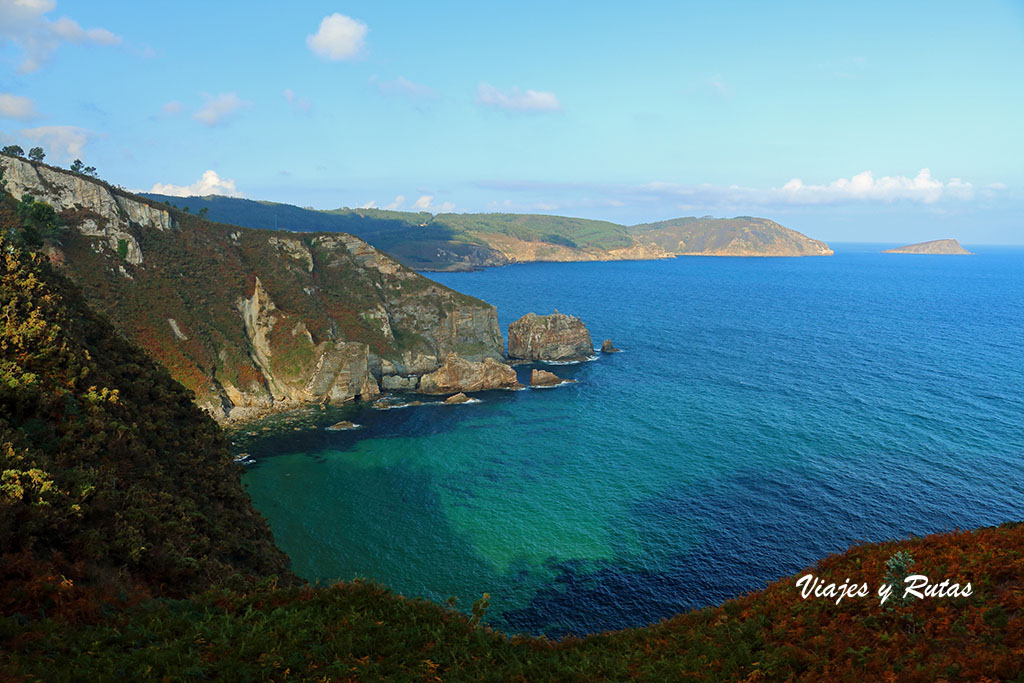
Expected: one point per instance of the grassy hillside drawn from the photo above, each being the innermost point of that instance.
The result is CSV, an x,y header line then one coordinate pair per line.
x,y
455,241
130,552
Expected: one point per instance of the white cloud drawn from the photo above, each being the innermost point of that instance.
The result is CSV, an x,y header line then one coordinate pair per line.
x,y
219,109
23,22
339,37
172,108
61,142
300,103
209,183
426,203
405,87
368,205
397,204
514,100
17,107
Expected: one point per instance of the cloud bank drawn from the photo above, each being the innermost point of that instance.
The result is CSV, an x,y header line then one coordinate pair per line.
x,y
209,183
23,23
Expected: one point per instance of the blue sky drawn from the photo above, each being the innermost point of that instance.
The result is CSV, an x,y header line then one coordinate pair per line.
x,y
891,122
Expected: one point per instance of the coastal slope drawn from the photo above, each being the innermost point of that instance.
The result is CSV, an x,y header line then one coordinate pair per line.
x,y
251,321
948,246
453,241
131,552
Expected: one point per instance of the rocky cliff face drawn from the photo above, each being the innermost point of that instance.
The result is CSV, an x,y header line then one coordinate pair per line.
x,y
251,320
459,374
556,337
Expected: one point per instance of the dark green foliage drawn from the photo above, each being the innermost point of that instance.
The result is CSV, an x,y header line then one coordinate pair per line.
x,y
13,150
36,154
77,166
113,482
122,248
39,221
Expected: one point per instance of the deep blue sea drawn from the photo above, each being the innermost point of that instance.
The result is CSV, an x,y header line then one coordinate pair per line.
x,y
763,414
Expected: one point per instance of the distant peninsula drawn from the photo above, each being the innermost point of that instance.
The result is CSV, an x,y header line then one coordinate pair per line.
x,y
470,241
949,247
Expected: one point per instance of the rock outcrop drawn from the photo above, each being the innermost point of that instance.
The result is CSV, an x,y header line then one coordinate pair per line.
x,y
254,321
460,375
608,347
948,247
457,398
543,378
555,337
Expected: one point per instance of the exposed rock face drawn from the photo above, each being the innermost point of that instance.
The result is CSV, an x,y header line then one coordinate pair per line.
x,y
254,321
459,375
949,247
100,212
457,398
342,426
608,347
555,337
543,378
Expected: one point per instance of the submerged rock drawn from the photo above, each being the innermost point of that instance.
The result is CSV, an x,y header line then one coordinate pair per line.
x,y
457,398
555,337
608,347
543,378
460,375
343,425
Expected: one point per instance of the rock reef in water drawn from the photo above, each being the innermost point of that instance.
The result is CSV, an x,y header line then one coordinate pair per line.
x,y
608,347
457,398
460,375
555,337
948,247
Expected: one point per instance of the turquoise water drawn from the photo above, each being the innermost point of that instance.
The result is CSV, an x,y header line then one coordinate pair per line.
x,y
764,413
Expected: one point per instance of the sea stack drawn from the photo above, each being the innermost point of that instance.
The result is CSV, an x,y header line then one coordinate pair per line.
x,y
608,347
555,337
947,247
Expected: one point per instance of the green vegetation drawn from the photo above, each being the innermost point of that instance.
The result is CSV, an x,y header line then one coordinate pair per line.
x,y
460,241
13,150
114,485
36,154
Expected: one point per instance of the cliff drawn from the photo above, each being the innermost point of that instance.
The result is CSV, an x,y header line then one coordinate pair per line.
x,y
950,246
252,320
466,241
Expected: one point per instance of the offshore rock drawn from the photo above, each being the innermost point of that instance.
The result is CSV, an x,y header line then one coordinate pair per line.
x,y
555,337
543,378
460,375
457,398
608,347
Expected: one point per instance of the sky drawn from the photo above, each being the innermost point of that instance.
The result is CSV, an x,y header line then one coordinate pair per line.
x,y
851,122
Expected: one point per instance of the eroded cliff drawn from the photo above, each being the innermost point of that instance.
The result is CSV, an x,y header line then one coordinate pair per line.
x,y
252,320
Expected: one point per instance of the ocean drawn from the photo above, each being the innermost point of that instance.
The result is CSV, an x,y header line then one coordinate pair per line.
x,y
763,414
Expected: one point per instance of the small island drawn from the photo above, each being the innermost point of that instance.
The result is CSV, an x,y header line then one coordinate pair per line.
x,y
934,247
